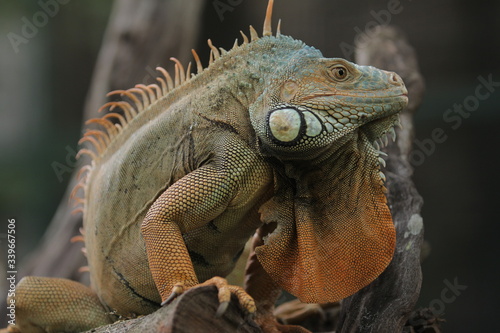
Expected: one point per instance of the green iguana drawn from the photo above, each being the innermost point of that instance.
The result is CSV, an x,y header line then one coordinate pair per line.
x,y
271,137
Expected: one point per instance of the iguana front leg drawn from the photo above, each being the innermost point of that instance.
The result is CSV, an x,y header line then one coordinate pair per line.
x,y
193,201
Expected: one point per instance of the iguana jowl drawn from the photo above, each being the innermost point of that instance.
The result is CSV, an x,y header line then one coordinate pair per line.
x,y
271,136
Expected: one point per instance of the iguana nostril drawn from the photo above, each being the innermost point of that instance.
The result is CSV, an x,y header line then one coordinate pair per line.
x,y
395,78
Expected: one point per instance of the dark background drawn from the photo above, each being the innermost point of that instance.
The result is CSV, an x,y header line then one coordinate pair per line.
x,y
43,88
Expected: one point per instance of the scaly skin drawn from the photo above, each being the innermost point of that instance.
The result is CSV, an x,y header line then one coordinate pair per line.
x,y
171,198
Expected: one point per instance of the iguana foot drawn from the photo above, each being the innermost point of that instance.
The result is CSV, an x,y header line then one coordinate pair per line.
x,y
225,291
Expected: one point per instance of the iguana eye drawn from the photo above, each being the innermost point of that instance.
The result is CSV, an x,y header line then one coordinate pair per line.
x,y
339,73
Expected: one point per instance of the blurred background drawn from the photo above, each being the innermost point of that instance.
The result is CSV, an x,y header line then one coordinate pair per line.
x,y
45,73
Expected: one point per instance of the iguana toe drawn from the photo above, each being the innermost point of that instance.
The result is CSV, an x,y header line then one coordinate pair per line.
x,y
224,294
225,291
221,309
177,290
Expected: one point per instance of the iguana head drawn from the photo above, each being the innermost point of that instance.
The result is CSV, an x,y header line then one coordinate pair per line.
x,y
321,122
312,102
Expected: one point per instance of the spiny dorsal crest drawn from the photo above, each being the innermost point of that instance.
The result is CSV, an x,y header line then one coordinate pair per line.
x,y
141,97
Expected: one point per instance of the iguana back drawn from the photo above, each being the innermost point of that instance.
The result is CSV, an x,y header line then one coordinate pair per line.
x,y
180,131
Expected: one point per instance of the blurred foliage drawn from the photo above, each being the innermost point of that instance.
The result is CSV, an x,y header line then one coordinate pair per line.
x,y
49,77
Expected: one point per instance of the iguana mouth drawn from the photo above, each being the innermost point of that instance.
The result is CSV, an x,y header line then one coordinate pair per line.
x,y
377,135
379,131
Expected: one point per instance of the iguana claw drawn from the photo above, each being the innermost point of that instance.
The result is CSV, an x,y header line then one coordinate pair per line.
x,y
225,291
221,309
177,290
170,299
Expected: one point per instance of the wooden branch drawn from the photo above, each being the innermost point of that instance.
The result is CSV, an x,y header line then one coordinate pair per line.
x,y
194,311
386,304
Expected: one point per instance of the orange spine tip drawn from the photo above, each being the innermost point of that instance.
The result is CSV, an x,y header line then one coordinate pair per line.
x,y
76,239
105,123
118,116
199,66
156,89
128,110
214,49
144,97
151,93
188,72
179,71
163,84
245,38
85,168
176,77
74,192
86,152
78,201
84,269
211,58
167,76
115,92
253,34
77,210
267,31
104,106
100,135
93,141
129,93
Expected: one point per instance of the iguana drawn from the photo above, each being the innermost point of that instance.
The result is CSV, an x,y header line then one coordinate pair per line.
x,y
271,140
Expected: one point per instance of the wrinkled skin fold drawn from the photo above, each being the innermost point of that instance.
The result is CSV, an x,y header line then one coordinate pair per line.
x,y
334,231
